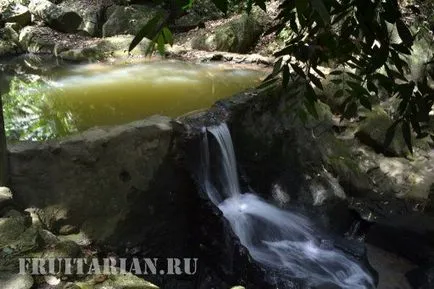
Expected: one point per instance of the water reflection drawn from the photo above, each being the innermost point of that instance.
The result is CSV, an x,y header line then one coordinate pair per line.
x,y
80,97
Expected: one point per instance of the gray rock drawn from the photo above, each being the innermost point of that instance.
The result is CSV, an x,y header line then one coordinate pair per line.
x,y
16,240
37,39
372,131
58,18
12,11
14,26
127,19
118,281
11,228
109,182
63,249
90,12
48,238
200,12
115,46
8,42
68,229
12,280
238,35
5,197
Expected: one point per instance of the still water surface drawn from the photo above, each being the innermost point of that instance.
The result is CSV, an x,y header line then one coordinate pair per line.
x,y
84,96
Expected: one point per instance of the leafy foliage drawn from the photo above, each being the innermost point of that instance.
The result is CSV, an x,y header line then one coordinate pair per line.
x,y
357,36
29,116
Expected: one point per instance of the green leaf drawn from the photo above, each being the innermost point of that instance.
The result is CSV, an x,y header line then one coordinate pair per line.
x,y
319,72
222,5
149,30
339,93
355,76
336,72
404,33
371,86
168,37
268,83
320,8
390,133
285,75
301,6
315,80
298,70
160,44
406,133
350,110
401,48
277,66
365,102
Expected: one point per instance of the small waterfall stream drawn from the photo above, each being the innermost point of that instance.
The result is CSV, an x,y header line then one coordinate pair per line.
x,y
275,238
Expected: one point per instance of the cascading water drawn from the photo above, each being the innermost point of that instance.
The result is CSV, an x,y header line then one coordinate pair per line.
x,y
275,238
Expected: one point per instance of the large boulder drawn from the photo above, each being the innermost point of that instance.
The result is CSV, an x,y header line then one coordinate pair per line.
x,y
127,19
9,44
11,228
8,48
109,182
57,17
372,131
12,280
45,40
37,39
238,35
200,12
12,11
115,46
5,197
92,14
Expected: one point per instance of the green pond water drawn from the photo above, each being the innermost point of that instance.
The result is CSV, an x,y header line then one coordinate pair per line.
x,y
80,97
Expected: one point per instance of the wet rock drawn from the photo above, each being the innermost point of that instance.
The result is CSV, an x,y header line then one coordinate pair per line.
x,y
26,242
127,19
121,281
11,280
109,181
68,229
411,237
53,217
422,277
48,238
63,249
58,18
391,268
372,132
11,228
80,238
12,11
237,35
5,197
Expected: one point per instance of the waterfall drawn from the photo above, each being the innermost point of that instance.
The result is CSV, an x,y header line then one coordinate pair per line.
x,y
275,238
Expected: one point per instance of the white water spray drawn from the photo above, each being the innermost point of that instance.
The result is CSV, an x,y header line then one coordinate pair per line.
x,y
275,238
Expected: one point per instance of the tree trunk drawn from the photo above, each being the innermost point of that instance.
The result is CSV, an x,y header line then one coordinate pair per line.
x,y
4,158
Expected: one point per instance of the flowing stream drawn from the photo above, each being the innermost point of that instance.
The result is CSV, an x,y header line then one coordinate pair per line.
x,y
277,239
